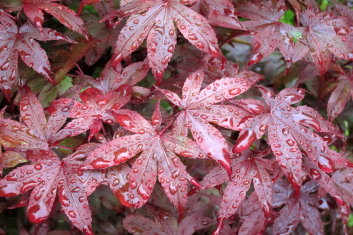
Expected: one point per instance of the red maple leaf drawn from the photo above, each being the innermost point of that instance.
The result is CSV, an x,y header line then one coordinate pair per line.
x,y
15,42
199,109
252,217
271,34
219,13
34,132
155,20
158,158
162,222
327,35
48,175
247,167
340,95
114,77
289,133
302,208
94,108
34,11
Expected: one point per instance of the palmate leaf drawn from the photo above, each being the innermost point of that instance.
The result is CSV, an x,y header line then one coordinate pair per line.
x,y
327,35
200,108
299,209
271,34
158,158
49,176
160,221
340,95
34,11
21,42
94,108
154,20
247,167
34,132
289,133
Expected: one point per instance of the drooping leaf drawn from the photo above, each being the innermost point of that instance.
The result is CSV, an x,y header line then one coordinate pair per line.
x,y
34,11
21,42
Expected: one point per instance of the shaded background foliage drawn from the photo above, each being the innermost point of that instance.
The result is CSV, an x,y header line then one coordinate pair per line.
x,y
295,44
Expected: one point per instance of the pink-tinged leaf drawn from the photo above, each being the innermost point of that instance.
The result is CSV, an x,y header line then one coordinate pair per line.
x,y
26,177
133,122
203,36
43,196
48,175
158,158
198,111
271,34
222,13
161,42
287,152
32,114
172,97
252,217
155,20
34,11
114,77
210,140
16,135
225,88
288,134
95,107
119,184
132,35
192,87
20,42
248,167
142,176
334,37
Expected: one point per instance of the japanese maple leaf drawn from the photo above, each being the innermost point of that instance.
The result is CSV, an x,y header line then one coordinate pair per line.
x,y
252,217
15,42
158,158
114,77
343,181
95,107
247,167
199,109
219,13
271,34
302,208
327,35
155,20
34,132
289,133
340,95
34,11
47,176
161,222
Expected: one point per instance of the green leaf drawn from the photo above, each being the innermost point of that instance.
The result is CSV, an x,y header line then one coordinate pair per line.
x,y
350,221
324,4
288,17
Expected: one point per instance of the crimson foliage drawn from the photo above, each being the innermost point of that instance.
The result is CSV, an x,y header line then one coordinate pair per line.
x,y
204,127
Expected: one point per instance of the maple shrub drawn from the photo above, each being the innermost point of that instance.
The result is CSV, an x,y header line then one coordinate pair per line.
x,y
176,117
